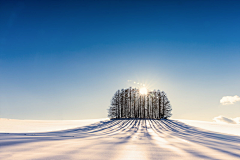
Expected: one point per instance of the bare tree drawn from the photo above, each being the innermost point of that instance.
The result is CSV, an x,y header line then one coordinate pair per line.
x,y
129,103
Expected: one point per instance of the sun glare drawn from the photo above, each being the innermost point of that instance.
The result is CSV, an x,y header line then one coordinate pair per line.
x,y
143,90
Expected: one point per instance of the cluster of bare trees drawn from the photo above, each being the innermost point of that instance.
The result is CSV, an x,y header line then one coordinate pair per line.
x,y
130,103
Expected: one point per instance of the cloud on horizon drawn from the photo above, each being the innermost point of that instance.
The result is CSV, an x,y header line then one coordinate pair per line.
x,y
226,100
222,119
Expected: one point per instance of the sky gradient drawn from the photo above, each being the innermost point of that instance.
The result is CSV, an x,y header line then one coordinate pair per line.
x,y
66,59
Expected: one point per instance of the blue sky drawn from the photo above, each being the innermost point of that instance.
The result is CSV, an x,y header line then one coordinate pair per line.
x,y
65,59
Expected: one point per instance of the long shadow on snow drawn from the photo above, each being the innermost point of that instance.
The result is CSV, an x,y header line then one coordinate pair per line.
x,y
96,130
220,142
126,128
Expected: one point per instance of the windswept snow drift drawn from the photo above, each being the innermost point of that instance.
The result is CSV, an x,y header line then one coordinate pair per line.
x,y
122,139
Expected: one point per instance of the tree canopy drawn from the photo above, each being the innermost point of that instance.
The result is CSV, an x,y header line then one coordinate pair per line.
x,y
136,103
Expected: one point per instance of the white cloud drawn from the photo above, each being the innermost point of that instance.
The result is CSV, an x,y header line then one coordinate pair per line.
x,y
222,119
229,100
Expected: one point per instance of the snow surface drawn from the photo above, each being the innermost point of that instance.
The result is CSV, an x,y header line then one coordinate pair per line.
x,y
214,126
118,139
24,126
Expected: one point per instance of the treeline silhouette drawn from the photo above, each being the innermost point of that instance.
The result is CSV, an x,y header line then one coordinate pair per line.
x,y
130,103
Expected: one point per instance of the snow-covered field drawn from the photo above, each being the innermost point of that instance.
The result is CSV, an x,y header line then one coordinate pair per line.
x,y
24,126
118,139
213,126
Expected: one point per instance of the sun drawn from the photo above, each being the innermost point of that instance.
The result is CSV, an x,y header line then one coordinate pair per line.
x,y
143,90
